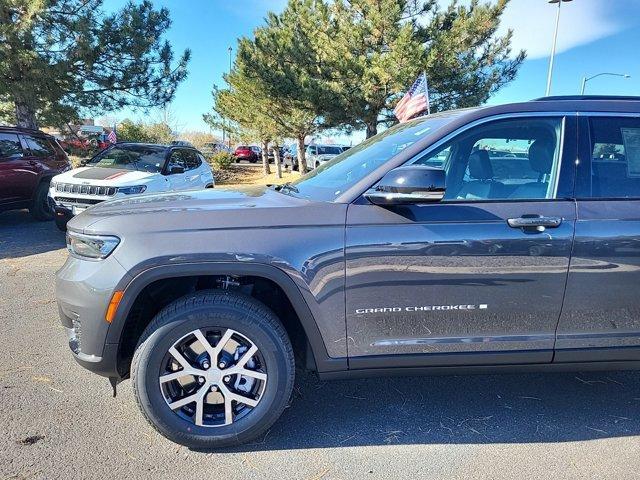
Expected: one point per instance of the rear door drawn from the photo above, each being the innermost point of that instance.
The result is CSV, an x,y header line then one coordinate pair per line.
x,y
479,277
601,315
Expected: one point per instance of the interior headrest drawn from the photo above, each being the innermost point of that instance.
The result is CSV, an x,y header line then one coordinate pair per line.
x,y
480,165
541,156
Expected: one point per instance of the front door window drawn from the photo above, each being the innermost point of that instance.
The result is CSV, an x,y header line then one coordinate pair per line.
x,y
503,160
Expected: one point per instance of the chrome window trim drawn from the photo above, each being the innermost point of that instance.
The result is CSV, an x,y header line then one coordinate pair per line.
x,y
481,121
608,114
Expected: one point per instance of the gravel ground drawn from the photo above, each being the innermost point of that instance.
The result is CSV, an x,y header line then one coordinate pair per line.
x,y
60,421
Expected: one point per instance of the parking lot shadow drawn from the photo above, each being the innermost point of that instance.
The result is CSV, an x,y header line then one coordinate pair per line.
x,y
21,235
518,408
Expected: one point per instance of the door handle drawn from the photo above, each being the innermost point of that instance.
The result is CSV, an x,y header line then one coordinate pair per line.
x,y
535,222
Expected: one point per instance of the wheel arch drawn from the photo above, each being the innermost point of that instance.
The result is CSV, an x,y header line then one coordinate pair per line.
x,y
134,285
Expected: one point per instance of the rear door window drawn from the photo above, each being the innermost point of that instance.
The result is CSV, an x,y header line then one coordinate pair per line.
x,y
39,146
615,157
191,159
10,146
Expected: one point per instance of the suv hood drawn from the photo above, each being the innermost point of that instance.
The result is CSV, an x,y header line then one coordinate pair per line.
x,y
104,176
256,207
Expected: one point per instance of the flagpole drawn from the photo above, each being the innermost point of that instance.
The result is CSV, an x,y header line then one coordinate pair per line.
x,y
426,91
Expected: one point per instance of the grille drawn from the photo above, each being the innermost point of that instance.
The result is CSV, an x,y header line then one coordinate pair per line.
x,y
86,189
78,201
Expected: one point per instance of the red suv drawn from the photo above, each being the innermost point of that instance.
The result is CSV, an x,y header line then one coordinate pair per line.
x,y
244,152
28,160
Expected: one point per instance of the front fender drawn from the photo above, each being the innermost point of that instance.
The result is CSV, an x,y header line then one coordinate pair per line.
x,y
145,276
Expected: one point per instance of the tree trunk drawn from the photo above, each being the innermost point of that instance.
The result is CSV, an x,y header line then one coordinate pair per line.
x,y
302,161
25,115
372,129
265,157
276,156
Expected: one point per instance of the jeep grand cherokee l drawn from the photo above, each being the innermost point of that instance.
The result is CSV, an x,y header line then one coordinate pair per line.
x,y
28,161
496,238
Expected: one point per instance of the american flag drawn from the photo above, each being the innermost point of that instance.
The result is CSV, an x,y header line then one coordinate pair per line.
x,y
416,100
112,138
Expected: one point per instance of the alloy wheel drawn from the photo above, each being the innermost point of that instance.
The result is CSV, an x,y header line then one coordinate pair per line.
x,y
213,377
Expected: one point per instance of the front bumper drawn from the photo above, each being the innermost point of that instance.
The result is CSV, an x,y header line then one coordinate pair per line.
x,y
83,291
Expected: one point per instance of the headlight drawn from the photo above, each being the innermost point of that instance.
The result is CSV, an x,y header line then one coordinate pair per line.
x,y
91,246
135,190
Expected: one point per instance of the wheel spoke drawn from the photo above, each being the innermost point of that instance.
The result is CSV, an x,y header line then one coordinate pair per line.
x,y
245,372
205,343
252,373
242,399
246,357
200,407
228,410
184,401
229,395
223,341
175,375
179,358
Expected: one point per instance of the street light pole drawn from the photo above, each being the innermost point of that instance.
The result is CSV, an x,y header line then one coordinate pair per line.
x,y
230,50
586,79
553,48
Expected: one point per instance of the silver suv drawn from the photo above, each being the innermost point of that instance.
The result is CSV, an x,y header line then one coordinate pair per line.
x,y
499,238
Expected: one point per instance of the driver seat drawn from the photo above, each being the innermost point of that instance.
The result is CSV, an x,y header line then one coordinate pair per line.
x,y
482,186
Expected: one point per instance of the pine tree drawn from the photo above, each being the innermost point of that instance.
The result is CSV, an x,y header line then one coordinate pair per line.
x,y
383,45
63,58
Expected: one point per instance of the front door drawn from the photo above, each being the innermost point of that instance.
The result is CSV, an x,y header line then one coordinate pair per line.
x,y
479,277
18,175
178,181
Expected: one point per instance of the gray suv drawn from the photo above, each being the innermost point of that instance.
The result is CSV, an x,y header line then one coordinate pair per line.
x,y
487,239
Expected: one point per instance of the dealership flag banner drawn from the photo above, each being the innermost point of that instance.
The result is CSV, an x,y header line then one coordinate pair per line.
x,y
112,136
415,101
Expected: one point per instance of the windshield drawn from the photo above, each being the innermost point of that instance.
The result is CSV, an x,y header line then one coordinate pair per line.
x,y
322,150
334,177
147,158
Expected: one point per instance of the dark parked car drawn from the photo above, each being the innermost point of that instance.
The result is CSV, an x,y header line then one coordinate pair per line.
x,y
489,239
28,161
247,153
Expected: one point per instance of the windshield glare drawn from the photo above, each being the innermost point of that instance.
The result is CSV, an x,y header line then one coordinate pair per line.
x,y
135,157
334,177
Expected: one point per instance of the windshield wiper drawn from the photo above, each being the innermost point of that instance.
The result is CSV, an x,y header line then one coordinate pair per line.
x,y
287,187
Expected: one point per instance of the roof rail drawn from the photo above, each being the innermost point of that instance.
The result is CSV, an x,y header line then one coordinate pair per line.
x,y
586,97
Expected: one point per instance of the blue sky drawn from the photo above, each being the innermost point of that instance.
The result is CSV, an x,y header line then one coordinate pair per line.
x,y
595,36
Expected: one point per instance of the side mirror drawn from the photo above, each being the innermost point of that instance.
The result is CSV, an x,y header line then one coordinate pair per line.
x,y
174,169
410,184
84,162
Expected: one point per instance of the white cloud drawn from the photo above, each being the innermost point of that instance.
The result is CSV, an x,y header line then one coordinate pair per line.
x,y
581,22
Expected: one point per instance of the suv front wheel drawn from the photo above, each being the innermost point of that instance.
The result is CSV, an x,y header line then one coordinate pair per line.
x,y
213,369
41,208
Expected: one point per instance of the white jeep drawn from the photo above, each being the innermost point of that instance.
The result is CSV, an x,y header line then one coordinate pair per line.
x,y
126,169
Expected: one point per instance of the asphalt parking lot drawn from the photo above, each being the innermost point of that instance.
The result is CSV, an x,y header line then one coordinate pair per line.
x,y
59,421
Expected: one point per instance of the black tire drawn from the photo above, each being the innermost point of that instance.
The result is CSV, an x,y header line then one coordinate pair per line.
x,y
61,223
40,208
213,308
